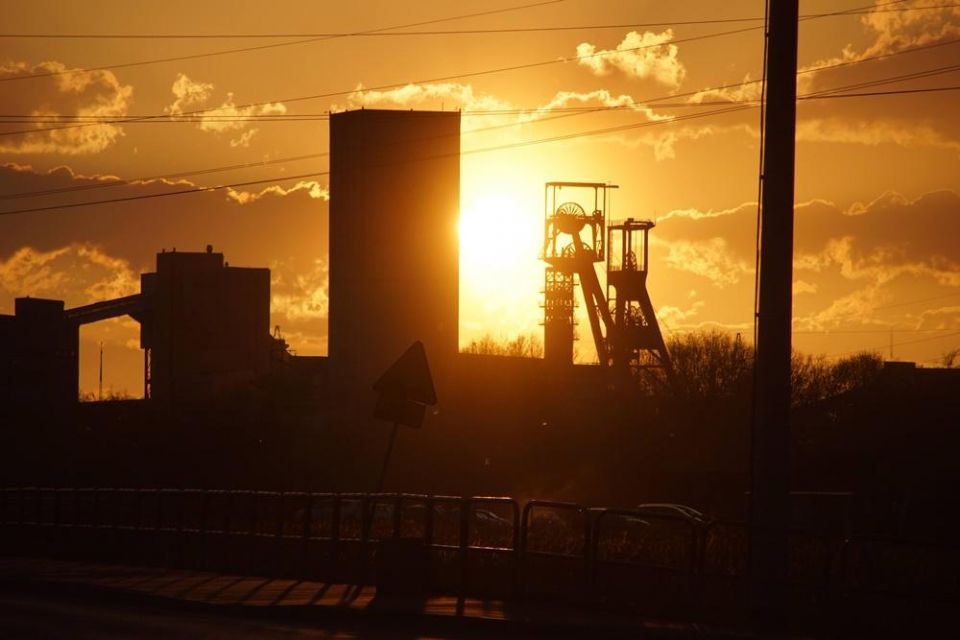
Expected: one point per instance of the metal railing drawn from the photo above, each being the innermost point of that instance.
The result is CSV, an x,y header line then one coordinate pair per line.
x,y
658,563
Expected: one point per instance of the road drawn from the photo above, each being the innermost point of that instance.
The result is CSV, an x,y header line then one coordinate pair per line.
x,y
31,616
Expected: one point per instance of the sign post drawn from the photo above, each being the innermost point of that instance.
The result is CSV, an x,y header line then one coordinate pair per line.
x,y
405,388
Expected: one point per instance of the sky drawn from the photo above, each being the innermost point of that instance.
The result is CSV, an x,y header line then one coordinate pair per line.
x,y
658,98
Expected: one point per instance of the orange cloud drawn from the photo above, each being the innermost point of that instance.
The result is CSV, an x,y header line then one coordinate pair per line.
x,y
711,259
644,56
58,98
747,91
302,296
873,133
78,273
897,30
313,188
228,118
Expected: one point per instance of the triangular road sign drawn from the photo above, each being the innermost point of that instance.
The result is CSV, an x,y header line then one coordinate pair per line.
x,y
409,377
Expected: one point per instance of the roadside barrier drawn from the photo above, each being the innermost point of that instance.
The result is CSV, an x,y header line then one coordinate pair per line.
x,y
666,562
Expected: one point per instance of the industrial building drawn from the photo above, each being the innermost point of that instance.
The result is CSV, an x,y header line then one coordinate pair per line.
x,y
393,280
204,329
38,355
208,330
394,259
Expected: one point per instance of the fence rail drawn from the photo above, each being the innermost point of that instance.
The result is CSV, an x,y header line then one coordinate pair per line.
x,y
657,563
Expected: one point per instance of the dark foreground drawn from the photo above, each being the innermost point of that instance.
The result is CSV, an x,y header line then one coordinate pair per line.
x,y
53,615
59,599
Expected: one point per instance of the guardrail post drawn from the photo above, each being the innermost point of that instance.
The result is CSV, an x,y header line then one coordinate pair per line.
x,y
428,522
278,555
227,511
255,513
595,517
305,533
465,505
95,509
397,515
366,516
692,570
180,499
843,567
587,533
521,574
281,514
204,526
159,523
335,535
515,541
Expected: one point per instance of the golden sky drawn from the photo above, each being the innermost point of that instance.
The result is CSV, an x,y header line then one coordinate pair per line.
x,y
878,176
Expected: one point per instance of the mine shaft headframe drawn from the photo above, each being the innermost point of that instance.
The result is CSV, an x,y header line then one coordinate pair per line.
x,y
628,244
635,342
565,216
574,240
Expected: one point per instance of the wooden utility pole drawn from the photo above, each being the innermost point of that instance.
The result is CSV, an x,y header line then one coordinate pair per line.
x,y
770,469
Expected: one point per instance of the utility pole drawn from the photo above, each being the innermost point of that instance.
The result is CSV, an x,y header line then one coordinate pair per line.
x,y
770,442
100,388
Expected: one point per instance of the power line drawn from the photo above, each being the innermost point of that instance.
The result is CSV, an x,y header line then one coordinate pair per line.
x,y
873,94
738,106
353,34
502,147
827,332
279,44
655,101
165,176
101,185
446,32
554,61
895,344
395,85
180,192
199,112
909,302
915,75
534,110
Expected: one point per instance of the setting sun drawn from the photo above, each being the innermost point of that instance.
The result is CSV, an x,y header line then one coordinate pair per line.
x,y
500,275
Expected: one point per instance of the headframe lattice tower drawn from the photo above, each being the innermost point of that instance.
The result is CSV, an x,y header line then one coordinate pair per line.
x,y
558,315
573,241
635,342
622,320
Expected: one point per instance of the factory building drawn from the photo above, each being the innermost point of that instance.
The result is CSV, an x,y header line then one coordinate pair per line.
x,y
38,355
204,329
394,279
208,330
394,262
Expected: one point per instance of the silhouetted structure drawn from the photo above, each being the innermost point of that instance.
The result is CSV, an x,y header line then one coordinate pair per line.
x,y
394,262
624,326
38,354
204,328
209,330
635,338
559,305
569,255
770,433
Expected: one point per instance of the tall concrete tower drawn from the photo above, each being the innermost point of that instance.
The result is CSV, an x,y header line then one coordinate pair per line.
x,y
394,259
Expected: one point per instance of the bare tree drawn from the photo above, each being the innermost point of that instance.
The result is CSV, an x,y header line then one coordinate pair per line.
x,y
523,346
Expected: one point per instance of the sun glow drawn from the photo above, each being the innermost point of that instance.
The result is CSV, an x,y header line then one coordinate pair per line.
x,y
500,274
